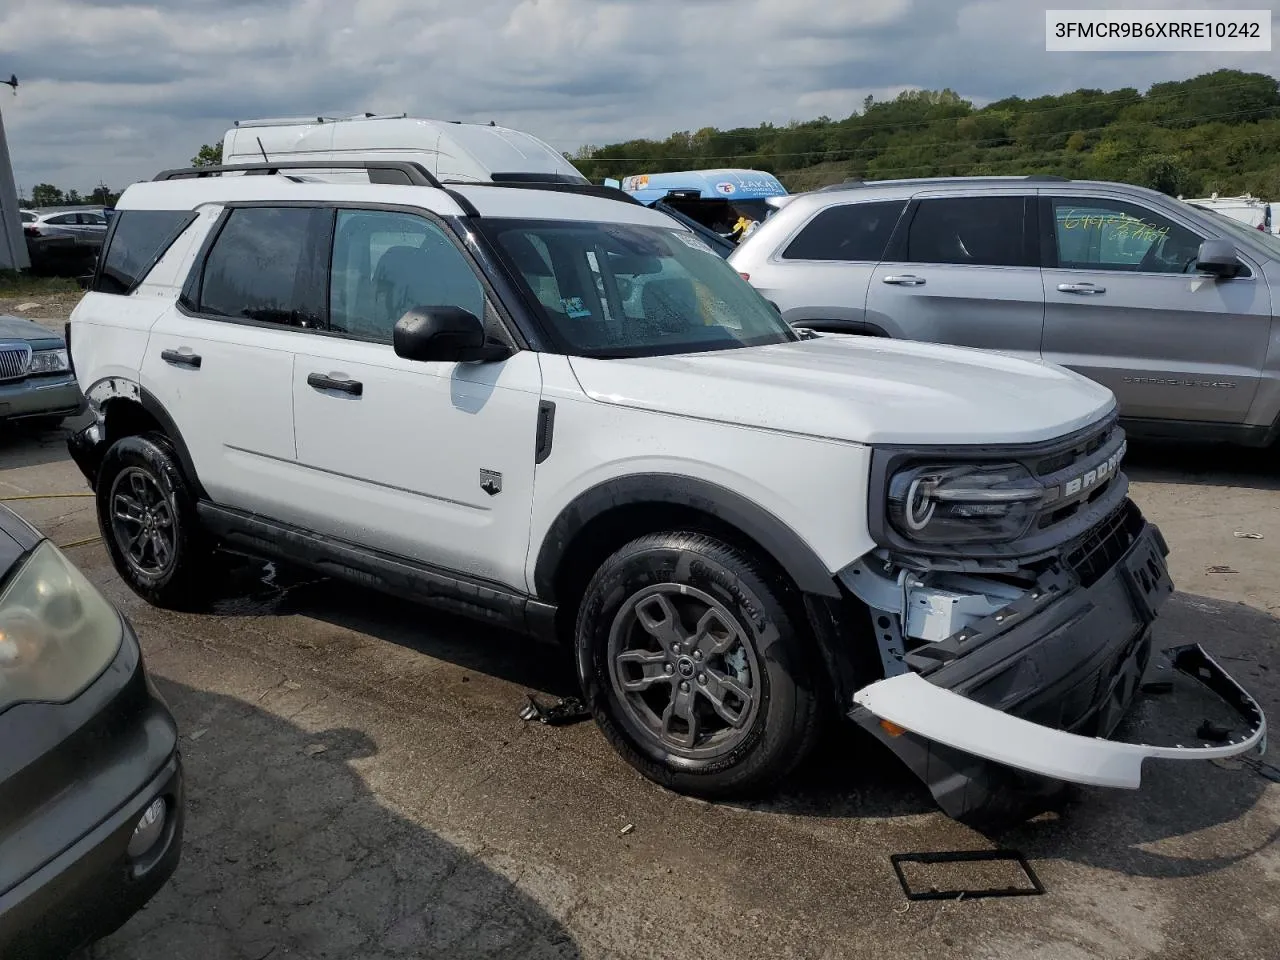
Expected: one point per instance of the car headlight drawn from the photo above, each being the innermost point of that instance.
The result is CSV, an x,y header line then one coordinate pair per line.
x,y
57,633
49,361
964,504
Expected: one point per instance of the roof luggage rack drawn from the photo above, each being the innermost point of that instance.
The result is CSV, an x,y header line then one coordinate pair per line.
x,y
558,186
401,172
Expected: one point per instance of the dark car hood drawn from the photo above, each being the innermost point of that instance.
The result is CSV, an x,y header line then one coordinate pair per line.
x,y
15,328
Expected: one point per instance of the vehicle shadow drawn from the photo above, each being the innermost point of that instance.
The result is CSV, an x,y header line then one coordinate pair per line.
x,y
1219,465
851,776
288,853
29,444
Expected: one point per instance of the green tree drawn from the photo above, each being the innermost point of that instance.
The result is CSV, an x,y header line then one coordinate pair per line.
x,y
1161,172
208,156
1218,131
46,195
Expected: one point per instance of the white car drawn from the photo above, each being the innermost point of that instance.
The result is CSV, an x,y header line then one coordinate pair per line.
x,y
547,407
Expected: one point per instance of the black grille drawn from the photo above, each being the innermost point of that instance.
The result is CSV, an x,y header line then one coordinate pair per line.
x,y
13,362
1102,547
1081,450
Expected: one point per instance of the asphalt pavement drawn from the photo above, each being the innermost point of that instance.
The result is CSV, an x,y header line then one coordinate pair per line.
x,y
361,786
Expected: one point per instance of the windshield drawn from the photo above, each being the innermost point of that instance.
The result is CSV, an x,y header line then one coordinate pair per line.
x,y
626,290
1262,238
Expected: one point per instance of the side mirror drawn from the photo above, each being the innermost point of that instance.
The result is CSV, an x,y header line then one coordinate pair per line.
x,y
1218,258
444,334
85,281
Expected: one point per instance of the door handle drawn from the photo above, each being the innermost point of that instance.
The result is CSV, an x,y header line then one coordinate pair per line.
x,y
323,381
180,359
1085,288
905,280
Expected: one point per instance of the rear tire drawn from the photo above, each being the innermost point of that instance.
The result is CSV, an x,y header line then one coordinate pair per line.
x,y
694,668
147,514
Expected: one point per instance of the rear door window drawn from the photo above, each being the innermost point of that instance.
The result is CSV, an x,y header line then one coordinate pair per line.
x,y
139,240
269,265
851,232
970,231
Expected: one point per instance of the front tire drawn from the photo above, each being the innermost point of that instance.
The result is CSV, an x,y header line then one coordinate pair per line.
x,y
694,667
147,514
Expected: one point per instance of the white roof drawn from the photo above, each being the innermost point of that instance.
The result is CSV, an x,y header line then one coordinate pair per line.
x,y
450,151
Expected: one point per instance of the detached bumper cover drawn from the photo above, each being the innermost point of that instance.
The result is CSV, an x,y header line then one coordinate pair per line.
x,y
1023,702
87,445
929,711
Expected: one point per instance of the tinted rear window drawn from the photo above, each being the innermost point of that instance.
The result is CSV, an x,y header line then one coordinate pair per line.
x,y
139,240
971,231
269,264
851,232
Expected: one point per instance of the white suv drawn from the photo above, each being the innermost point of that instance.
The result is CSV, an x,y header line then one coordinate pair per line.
x,y
550,408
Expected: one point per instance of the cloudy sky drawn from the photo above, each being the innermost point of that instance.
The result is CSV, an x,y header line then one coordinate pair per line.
x,y
114,91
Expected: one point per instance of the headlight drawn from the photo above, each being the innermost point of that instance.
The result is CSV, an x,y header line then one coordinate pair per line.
x,y
49,361
57,633
963,504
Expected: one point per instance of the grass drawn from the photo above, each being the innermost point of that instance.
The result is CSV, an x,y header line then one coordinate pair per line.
x,y
15,284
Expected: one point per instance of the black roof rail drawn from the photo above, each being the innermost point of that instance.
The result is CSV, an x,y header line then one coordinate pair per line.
x,y
402,172
1046,178
587,189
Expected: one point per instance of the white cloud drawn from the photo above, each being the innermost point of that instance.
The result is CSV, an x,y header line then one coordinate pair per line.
x,y
115,90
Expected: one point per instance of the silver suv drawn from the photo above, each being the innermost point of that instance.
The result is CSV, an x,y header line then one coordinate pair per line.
x,y
1170,306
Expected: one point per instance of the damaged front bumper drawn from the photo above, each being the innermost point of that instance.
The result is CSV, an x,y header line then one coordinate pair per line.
x,y
1022,701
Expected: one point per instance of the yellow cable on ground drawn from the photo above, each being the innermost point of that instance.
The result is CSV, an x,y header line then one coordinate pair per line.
x,y
56,496
45,496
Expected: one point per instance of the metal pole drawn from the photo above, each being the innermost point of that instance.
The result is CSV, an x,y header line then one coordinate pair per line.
x,y
13,246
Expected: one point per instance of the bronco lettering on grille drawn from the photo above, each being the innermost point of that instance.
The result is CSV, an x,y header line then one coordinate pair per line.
x,y
1095,476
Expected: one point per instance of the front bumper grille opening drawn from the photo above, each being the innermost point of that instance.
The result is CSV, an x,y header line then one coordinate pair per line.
x,y
1103,546
14,363
1054,517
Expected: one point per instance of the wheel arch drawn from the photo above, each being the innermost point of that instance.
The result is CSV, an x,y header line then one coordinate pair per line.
x,y
604,517
125,408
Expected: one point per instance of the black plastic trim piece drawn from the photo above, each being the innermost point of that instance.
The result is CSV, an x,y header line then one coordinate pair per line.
x,y
414,174
321,381
776,538
524,176
179,359
434,586
546,430
586,189
170,428
468,208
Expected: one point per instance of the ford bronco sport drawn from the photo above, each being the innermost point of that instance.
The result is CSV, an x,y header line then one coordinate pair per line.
x,y
548,407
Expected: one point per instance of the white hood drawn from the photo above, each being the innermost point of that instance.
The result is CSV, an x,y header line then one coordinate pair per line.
x,y
858,389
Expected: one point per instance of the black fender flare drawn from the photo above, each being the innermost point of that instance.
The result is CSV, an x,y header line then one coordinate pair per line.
x,y
109,389
795,556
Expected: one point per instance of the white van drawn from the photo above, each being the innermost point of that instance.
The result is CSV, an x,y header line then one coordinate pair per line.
x,y
449,150
1248,210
